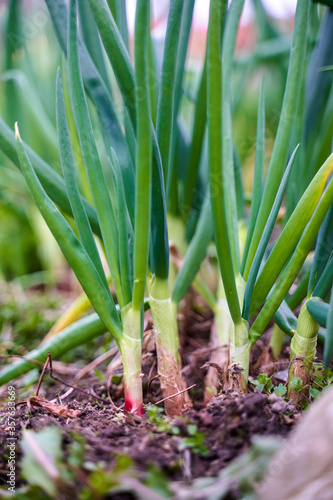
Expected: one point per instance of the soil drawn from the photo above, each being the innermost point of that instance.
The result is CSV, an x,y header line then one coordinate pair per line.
x,y
229,423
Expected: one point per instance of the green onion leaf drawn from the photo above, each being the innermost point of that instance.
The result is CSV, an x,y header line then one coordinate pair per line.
x,y
284,133
167,85
324,284
328,348
91,159
99,95
229,198
258,173
195,253
83,330
290,235
124,233
323,252
293,267
216,179
318,310
265,238
143,154
67,163
51,181
124,73
71,247
91,40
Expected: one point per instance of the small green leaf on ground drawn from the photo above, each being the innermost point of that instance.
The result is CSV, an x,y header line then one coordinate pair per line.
x,y
263,383
295,384
314,393
280,390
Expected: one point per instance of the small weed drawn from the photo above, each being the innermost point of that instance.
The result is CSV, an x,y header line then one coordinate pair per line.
x,y
263,383
280,390
193,439
155,415
194,442
295,384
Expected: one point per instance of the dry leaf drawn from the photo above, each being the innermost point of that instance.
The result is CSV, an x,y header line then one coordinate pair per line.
x,y
59,410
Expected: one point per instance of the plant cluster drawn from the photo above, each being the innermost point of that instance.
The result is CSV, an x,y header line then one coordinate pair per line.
x,y
321,379
147,182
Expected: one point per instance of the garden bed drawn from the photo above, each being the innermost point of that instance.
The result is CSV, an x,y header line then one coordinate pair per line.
x,y
200,443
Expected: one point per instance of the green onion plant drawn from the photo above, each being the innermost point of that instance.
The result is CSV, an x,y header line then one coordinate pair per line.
x,y
117,235
153,180
314,311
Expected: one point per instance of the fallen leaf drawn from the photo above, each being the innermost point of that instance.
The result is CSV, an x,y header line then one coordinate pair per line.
x,y
59,410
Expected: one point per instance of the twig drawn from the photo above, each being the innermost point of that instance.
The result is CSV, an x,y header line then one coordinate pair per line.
x,y
70,385
42,376
177,394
